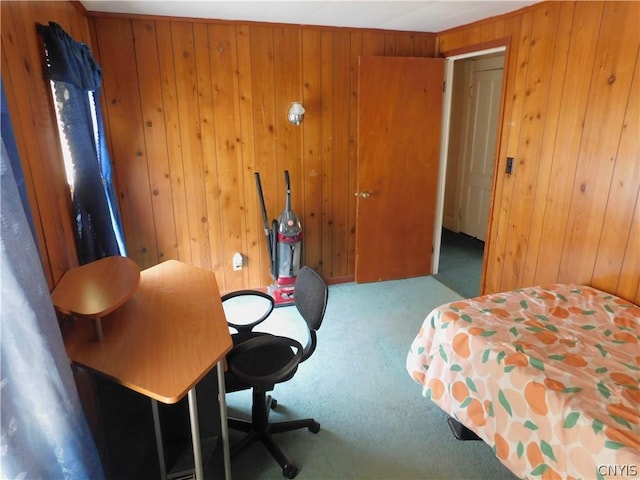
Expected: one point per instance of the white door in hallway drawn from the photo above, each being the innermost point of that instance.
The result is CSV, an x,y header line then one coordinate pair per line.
x,y
482,110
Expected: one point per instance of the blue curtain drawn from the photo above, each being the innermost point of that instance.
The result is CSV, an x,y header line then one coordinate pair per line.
x,y
77,79
44,431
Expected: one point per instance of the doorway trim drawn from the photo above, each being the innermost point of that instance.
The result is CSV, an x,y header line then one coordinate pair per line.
x,y
444,146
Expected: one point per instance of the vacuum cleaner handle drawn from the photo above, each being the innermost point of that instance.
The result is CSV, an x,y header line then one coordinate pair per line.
x,y
272,238
287,185
262,205
274,250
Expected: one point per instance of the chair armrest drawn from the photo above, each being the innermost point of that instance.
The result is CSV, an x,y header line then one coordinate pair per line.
x,y
266,340
247,327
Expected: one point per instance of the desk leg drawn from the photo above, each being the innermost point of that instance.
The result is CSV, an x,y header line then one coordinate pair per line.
x,y
158,431
195,434
223,420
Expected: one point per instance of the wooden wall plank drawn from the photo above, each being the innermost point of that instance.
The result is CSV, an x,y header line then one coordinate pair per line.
x,y
587,18
232,224
207,147
554,101
340,128
424,46
356,51
625,187
327,115
390,44
256,250
312,155
263,93
156,149
174,143
629,282
184,58
372,43
499,225
541,45
288,68
610,86
125,123
404,45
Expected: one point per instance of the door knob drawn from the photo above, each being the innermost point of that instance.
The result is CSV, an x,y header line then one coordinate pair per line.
x,y
363,194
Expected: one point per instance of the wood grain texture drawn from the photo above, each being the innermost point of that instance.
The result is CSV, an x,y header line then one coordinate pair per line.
x,y
218,93
543,226
566,141
163,340
548,141
611,80
616,244
97,288
397,163
565,214
540,46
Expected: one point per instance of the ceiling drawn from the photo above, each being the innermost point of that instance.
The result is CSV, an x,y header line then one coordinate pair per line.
x,y
413,15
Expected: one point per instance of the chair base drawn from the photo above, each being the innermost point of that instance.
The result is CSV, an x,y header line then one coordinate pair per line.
x,y
259,429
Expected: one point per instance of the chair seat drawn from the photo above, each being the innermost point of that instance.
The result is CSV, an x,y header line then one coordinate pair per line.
x,y
263,362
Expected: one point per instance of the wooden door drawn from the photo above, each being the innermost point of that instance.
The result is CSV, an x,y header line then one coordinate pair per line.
x,y
399,124
483,107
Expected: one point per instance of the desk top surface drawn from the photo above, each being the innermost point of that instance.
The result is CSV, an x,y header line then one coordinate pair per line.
x,y
98,288
164,339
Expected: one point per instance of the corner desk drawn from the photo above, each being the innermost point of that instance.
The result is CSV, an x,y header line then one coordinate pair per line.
x,y
160,342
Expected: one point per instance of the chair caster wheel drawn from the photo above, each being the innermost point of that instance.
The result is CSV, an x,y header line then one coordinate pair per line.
x,y
315,428
290,471
274,403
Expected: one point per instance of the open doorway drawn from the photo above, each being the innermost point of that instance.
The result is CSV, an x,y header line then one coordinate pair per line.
x,y
467,166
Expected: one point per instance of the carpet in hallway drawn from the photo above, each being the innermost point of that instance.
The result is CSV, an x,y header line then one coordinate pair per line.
x,y
460,263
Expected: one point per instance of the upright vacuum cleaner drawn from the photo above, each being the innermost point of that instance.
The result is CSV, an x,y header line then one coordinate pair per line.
x,y
284,241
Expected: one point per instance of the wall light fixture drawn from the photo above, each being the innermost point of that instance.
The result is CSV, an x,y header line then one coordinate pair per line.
x,y
296,113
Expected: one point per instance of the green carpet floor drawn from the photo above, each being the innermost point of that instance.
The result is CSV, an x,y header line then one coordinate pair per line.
x,y
460,263
375,422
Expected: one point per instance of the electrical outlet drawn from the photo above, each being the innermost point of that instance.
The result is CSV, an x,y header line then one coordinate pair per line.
x,y
237,261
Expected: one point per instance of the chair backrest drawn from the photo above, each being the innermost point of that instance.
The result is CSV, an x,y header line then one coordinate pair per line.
x,y
311,297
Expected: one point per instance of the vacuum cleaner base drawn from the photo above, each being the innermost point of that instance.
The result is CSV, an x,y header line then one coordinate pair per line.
x,y
283,295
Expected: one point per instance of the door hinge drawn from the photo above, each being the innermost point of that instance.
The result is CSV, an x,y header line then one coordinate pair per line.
x,y
444,86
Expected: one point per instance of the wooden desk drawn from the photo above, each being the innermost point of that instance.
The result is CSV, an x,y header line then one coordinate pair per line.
x,y
161,343
96,289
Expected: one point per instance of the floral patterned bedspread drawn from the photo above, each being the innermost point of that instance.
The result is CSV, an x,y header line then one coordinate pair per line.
x,y
547,376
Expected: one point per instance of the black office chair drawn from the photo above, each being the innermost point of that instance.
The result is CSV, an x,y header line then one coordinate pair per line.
x,y
260,360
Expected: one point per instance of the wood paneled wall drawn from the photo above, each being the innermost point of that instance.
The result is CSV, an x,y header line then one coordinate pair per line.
x,y
34,124
195,108
570,212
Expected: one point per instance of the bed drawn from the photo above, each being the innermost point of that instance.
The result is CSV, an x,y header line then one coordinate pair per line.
x,y
548,376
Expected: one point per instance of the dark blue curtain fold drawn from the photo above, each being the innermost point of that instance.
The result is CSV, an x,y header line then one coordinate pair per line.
x,y
77,78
